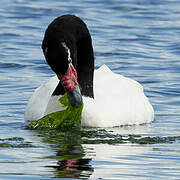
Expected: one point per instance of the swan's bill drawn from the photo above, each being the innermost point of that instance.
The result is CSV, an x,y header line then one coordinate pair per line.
x,y
75,97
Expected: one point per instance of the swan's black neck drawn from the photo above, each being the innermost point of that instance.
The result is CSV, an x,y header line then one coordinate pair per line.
x,y
72,31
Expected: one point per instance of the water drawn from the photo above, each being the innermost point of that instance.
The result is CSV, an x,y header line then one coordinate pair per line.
x,y
139,39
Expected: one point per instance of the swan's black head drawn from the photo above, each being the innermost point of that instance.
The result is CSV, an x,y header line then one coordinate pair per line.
x,y
68,50
57,56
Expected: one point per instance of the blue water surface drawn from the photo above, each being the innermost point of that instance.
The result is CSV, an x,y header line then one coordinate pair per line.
x,y
139,39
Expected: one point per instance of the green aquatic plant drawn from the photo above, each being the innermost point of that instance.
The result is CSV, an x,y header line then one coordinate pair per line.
x,y
65,119
99,136
14,142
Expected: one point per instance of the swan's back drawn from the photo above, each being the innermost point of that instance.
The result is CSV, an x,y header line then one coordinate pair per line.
x,y
118,101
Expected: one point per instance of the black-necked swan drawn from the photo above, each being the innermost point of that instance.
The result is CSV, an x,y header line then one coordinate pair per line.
x,y
109,99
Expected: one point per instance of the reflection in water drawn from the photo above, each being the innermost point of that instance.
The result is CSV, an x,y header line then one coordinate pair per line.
x,y
69,153
78,168
109,149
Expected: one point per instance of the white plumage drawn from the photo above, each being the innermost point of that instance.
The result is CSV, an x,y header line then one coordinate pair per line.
x,y
117,101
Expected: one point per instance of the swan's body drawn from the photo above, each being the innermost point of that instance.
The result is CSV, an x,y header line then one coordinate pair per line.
x,y
109,99
117,101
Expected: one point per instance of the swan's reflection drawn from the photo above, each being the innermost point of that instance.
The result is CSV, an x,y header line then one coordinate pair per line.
x,y
73,163
70,155
108,148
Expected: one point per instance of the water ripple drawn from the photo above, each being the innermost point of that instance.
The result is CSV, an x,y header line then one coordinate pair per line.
x,y
138,39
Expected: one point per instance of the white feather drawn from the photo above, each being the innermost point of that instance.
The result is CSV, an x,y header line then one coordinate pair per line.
x,y
117,101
